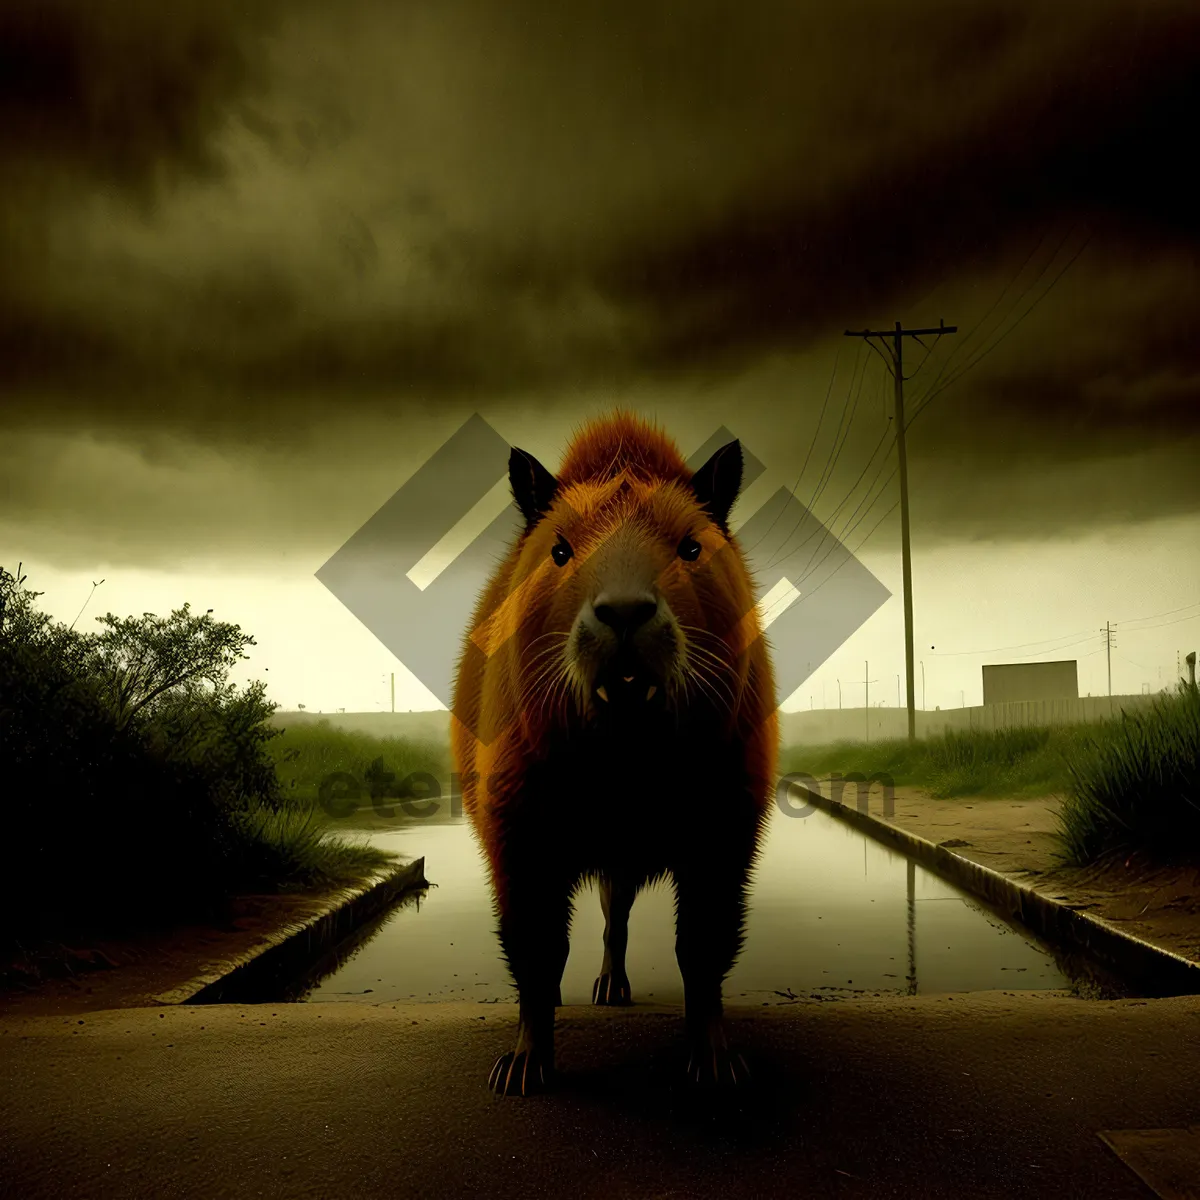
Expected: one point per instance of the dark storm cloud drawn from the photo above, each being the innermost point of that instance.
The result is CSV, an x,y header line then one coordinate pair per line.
x,y
118,90
225,219
1096,136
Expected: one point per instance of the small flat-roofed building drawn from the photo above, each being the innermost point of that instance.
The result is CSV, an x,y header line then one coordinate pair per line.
x,y
1006,682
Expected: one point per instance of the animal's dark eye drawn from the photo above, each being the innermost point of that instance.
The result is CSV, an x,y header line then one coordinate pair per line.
x,y
561,553
689,549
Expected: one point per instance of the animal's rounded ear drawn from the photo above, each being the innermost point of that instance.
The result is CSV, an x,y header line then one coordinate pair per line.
x,y
718,482
533,487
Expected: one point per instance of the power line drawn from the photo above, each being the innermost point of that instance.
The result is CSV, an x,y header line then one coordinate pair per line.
x,y
784,547
1164,624
937,390
800,518
980,332
1170,612
966,342
811,446
1130,661
825,528
849,556
843,534
827,473
846,499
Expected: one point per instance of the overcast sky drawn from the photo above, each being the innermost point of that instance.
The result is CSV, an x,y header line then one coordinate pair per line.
x,y
262,259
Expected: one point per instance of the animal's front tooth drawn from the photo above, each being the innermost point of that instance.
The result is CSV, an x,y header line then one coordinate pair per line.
x,y
602,694
650,693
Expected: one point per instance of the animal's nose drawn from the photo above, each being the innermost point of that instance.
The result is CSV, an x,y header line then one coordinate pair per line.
x,y
624,613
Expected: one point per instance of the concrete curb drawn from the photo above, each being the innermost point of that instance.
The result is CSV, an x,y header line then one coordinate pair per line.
x,y
1152,969
288,950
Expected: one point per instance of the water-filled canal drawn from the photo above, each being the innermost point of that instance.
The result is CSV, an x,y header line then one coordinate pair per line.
x,y
832,914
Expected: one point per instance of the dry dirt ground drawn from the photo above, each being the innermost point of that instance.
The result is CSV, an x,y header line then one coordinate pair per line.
x,y
1016,837
130,972
984,1096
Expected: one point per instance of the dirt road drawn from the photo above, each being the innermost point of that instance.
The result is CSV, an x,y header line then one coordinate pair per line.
x,y
986,1095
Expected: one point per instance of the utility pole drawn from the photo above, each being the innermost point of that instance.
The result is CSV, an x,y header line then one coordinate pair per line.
x,y
897,369
868,682
922,685
1108,645
839,682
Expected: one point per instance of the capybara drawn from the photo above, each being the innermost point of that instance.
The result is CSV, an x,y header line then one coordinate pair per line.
x,y
614,720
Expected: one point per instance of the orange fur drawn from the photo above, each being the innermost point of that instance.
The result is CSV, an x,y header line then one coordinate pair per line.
x,y
615,467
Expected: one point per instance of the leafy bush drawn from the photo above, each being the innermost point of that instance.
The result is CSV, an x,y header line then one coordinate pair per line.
x,y
139,782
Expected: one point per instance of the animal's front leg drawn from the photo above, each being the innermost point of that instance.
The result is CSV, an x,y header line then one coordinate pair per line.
x,y
534,915
616,899
711,906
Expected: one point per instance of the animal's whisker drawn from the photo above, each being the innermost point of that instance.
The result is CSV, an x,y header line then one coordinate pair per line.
x,y
547,672
708,687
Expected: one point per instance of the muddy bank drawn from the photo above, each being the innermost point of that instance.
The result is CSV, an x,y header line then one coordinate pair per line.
x,y
138,971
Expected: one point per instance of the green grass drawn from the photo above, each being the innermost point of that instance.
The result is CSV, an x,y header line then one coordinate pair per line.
x,y
305,755
1005,762
1135,785
1127,785
292,850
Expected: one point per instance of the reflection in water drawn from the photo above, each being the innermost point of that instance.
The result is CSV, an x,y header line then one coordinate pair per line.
x,y
831,914
912,927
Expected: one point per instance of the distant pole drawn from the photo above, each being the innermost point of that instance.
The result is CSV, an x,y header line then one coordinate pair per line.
x,y
867,681
922,685
1108,653
897,369
393,691
962,698
839,694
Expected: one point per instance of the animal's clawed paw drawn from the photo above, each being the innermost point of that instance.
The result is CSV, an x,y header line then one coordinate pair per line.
x,y
521,1073
611,989
717,1066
